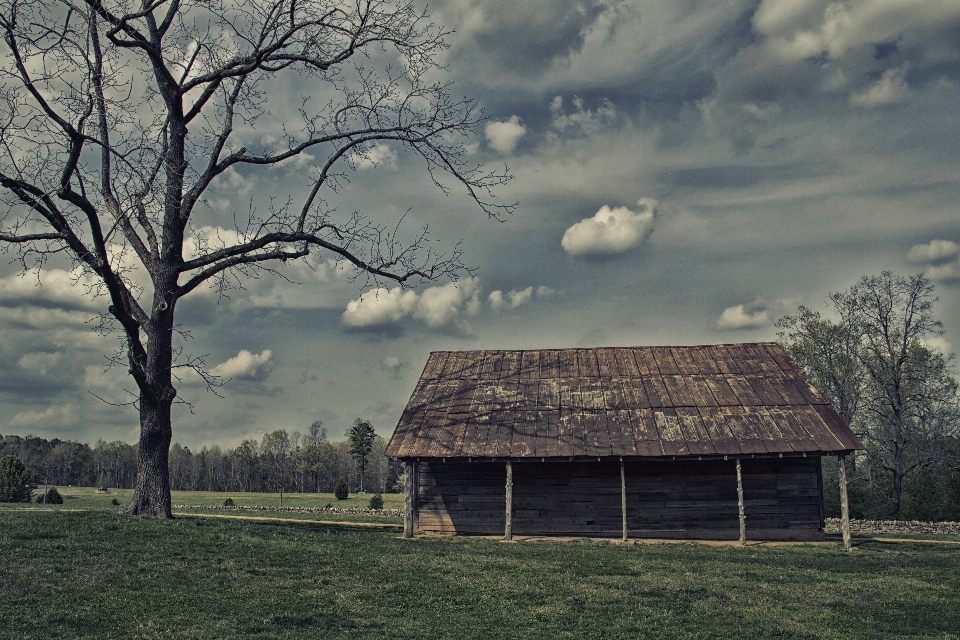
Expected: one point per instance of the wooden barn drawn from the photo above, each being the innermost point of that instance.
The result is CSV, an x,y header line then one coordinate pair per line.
x,y
708,442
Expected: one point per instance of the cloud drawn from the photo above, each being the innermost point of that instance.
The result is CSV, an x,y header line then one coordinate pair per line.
x,y
934,252
545,292
583,121
800,30
892,87
437,307
938,343
513,299
504,136
51,289
738,317
941,259
38,362
611,231
391,365
246,366
379,155
53,416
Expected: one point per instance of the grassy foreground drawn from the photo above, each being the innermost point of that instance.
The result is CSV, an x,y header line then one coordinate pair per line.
x,y
96,574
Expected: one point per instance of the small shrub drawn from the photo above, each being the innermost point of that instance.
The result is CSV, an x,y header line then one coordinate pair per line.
x,y
115,502
51,496
340,492
376,502
328,506
228,502
14,480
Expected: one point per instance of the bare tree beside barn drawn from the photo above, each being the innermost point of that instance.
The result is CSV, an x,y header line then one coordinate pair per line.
x,y
120,115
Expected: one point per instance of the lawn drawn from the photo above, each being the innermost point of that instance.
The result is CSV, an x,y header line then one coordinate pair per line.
x,y
92,573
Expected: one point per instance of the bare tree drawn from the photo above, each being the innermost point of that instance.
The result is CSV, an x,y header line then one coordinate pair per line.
x,y
119,115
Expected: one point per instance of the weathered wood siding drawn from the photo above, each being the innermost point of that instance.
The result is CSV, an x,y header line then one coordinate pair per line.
x,y
665,499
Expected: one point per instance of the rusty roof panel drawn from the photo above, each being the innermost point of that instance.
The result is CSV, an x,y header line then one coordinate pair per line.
x,y
568,364
607,361
705,362
454,366
591,394
492,364
510,368
633,402
472,364
646,363
621,433
434,367
550,364
548,397
744,392
722,356
627,363
685,361
613,394
694,432
671,436
530,365
665,362
587,363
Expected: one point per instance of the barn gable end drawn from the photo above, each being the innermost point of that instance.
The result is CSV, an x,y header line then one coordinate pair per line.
x,y
642,441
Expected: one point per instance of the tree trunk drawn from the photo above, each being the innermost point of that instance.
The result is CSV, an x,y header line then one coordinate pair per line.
x,y
151,495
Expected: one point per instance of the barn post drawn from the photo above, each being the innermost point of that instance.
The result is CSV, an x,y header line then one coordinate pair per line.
x,y
508,525
623,498
844,501
410,503
743,517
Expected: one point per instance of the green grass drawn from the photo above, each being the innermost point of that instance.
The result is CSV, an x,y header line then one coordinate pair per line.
x,y
96,574
91,498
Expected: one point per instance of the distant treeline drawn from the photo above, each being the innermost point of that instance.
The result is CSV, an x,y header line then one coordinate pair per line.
x,y
292,462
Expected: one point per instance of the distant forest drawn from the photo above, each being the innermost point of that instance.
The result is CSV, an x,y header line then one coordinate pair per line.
x,y
292,462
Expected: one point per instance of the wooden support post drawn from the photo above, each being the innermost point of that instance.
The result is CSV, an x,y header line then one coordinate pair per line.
x,y
410,506
508,525
623,498
743,517
844,502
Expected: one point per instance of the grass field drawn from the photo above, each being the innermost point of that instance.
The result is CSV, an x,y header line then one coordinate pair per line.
x,y
91,573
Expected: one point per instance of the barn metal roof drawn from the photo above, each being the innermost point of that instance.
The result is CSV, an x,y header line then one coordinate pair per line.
x,y
631,402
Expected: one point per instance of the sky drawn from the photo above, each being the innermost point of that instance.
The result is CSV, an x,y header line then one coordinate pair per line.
x,y
686,172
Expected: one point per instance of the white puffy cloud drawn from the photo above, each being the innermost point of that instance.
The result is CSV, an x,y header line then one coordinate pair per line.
x,y
934,252
52,416
891,87
545,292
38,362
512,300
436,306
380,307
738,317
379,155
941,259
504,136
611,231
799,30
246,365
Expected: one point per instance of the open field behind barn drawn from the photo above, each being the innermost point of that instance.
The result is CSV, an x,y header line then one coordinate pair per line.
x,y
70,573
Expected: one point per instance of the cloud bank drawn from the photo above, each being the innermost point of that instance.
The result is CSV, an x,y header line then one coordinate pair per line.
x,y
611,231
437,307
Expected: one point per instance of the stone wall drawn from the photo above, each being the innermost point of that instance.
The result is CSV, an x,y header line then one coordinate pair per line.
x,y
894,526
